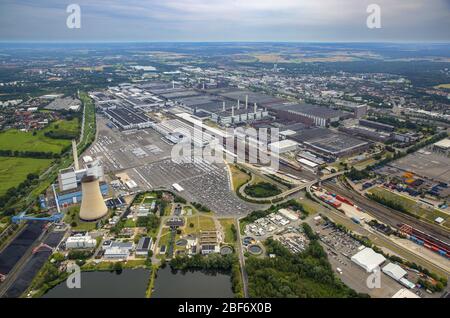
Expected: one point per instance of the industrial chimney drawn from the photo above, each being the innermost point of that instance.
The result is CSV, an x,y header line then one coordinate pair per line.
x,y
223,106
246,101
232,111
93,206
255,108
239,104
75,155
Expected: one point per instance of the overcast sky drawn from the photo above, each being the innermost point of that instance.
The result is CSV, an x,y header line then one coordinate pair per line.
x,y
225,20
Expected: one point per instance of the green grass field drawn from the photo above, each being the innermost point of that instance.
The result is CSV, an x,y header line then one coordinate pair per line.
x,y
239,177
16,140
13,171
226,225
412,206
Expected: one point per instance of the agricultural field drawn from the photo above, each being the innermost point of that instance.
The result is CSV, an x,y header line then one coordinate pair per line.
x,y
447,86
16,140
14,171
412,206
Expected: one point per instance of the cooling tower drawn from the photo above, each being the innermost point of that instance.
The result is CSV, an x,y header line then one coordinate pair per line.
x,y
92,205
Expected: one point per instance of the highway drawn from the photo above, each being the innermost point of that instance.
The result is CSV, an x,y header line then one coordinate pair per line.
x,y
387,215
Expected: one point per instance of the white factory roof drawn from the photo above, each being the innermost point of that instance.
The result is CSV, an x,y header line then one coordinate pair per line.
x,y
288,132
307,162
404,293
131,184
288,214
283,144
368,259
394,271
177,187
87,159
444,143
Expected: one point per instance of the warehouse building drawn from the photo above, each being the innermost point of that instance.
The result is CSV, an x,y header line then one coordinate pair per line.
x,y
376,125
368,259
394,271
442,146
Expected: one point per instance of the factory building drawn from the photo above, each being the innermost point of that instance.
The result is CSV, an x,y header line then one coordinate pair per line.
x,y
376,125
442,146
283,146
237,115
368,133
80,242
118,250
319,115
143,246
329,144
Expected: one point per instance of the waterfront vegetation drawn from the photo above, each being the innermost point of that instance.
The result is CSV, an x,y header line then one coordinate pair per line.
x,y
212,262
305,275
51,275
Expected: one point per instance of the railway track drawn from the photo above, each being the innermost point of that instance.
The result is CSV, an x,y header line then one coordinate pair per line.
x,y
386,215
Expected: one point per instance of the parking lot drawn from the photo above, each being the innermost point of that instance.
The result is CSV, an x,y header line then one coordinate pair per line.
x,y
146,159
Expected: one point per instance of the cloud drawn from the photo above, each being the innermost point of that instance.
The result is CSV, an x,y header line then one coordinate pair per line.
x,y
225,20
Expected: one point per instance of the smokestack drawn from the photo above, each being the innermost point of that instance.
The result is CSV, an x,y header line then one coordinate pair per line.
x,y
173,84
246,101
232,110
93,206
238,104
255,108
75,155
223,106
203,85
